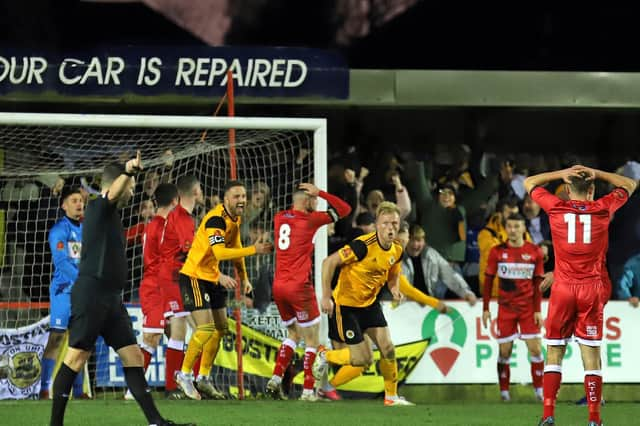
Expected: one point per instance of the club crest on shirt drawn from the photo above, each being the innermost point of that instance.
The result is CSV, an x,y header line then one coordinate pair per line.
x,y
346,252
505,256
60,245
392,260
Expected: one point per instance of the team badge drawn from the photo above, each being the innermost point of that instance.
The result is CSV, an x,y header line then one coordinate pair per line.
x,y
60,245
505,256
350,334
392,260
206,297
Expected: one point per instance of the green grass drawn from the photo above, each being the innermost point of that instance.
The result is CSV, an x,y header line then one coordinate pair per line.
x,y
111,412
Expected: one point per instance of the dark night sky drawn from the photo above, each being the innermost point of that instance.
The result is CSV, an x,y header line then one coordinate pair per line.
x,y
427,36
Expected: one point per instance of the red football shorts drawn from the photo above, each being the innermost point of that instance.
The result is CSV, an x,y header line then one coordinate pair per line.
x,y
575,309
512,325
172,300
152,304
296,303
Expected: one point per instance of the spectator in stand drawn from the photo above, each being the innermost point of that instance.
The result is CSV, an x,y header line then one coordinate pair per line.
x,y
629,283
537,220
441,218
430,272
375,197
365,223
258,214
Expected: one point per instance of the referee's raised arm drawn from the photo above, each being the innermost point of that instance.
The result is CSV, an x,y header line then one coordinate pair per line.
x,y
123,182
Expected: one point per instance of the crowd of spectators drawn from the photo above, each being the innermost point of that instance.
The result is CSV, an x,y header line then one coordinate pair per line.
x,y
454,201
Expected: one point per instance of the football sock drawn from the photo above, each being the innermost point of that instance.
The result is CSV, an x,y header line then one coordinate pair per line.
x,y
550,384
198,340
504,373
134,377
537,371
345,374
389,370
285,355
309,357
209,352
61,387
593,390
174,356
338,356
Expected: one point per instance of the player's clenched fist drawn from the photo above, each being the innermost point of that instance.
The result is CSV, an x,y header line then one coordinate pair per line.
x,y
326,304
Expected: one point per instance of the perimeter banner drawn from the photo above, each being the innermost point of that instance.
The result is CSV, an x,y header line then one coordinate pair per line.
x,y
21,350
176,70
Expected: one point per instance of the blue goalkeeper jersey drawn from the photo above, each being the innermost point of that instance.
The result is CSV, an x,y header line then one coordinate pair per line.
x,y
65,242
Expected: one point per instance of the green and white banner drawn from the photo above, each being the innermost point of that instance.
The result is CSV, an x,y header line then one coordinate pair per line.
x,y
462,351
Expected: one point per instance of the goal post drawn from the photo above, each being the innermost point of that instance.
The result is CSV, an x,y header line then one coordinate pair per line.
x,y
38,149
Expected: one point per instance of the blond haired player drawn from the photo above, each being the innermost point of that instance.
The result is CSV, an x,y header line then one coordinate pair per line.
x,y
367,263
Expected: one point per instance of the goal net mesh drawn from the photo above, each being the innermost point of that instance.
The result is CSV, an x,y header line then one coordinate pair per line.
x,y
35,163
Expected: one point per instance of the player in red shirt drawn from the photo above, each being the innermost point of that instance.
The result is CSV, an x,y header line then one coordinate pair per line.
x,y
519,266
174,246
293,289
151,298
580,233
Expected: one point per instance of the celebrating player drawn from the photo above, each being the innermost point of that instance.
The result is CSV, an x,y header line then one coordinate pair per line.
x,y
519,266
175,243
580,233
65,242
346,373
368,262
203,288
293,289
96,300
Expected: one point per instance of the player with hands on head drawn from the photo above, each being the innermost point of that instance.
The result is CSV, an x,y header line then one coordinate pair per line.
x,y
293,288
580,234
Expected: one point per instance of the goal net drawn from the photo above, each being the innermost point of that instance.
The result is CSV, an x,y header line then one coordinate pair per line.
x,y
42,152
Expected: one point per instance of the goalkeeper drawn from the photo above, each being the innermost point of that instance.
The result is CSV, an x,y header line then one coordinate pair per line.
x,y
65,241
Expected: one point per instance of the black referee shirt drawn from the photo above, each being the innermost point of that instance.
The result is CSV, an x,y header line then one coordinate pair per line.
x,y
103,254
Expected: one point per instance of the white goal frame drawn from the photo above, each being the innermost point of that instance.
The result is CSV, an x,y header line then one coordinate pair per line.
x,y
317,125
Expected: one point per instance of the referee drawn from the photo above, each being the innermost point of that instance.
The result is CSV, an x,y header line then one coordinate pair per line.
x,y
96,301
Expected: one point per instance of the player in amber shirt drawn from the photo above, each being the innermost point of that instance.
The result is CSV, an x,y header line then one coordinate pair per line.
x,y
580,233
293,289
519,266
368,262
203,287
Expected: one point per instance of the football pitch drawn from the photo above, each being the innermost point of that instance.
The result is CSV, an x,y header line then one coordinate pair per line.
x,y
110,412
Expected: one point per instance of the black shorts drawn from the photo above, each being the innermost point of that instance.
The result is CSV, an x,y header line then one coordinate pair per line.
x,y
95,313
200,294
348,324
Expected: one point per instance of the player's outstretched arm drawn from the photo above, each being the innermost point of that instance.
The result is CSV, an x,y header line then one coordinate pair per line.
x,y
121,183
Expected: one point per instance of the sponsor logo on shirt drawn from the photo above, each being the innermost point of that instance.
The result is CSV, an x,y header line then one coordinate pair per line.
x,y
515,271
526,256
